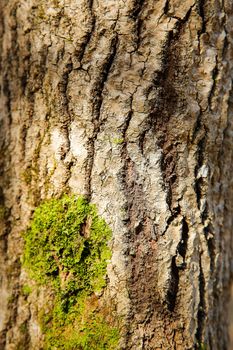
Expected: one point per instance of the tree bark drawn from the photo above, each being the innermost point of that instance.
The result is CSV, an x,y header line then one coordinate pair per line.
x,y
129,103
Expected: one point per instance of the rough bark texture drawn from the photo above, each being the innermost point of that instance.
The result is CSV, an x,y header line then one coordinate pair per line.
x,y
129,103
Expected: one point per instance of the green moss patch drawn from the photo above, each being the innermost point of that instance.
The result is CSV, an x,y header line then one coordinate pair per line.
x,y
66,249
26,290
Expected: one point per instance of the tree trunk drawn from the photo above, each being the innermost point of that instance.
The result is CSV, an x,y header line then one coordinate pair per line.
x,y
130,104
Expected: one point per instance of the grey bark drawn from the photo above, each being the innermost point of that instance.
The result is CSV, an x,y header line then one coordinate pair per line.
x,y
129,103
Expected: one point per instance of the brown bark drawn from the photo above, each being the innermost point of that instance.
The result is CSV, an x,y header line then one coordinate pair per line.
x,y
129,103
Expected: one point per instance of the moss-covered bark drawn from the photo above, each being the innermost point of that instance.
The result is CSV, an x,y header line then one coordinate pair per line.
x,y
66,250
129,104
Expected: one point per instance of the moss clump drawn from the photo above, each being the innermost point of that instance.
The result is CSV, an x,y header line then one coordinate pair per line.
x,y
66,249
26,290
118,141
87,326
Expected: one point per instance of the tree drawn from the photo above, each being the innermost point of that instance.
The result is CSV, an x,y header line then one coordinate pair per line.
x,y
128,103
